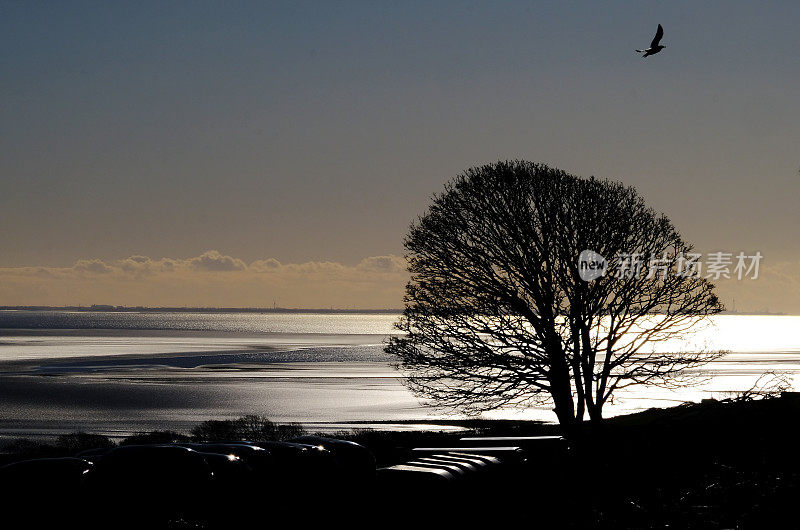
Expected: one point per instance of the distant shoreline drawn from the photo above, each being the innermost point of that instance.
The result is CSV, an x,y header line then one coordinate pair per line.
x,y
141,309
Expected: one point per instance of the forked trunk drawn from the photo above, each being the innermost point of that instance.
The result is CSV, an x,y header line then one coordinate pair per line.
x,y
596,413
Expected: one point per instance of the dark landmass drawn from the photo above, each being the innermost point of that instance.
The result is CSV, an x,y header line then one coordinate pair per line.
x,y
142,309
716,464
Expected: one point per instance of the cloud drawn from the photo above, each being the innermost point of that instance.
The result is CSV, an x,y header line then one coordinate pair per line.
x,y
94,266
212,260
389,264
210,279
266,265
215,279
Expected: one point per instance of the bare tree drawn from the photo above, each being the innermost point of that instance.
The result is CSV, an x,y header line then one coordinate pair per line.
x,y
769,385
496,312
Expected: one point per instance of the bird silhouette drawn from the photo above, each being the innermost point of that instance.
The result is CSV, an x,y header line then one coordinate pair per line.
x,y
655,47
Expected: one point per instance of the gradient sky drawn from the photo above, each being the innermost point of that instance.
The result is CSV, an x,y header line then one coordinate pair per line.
x,y
315,132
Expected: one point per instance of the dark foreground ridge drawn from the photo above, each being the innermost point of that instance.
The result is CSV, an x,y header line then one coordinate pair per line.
x,y
716,464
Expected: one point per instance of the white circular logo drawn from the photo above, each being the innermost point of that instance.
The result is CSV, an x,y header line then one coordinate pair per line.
x,y
591,265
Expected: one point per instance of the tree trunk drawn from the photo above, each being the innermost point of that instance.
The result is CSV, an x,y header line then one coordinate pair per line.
x,y
564,411
596,413
561,392
560,382
576,377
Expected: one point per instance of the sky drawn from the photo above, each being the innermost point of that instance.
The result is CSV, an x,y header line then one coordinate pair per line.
x,y
221,137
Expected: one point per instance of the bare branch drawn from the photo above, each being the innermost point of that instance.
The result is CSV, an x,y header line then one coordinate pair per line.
x,y
497,314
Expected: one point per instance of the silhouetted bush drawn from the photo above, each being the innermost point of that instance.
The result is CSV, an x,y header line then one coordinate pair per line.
x,y
156,437
251,428
23,448
76,442
65,445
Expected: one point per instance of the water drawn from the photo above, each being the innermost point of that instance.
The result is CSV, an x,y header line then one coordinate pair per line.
x,y
118,373
259,323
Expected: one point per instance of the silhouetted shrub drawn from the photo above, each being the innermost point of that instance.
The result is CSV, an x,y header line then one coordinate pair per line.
x,y
76,442
65,445
156,437
251,428
287,431
214,430
23,448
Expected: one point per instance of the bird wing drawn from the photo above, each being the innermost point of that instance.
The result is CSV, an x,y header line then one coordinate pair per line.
x,y
657,38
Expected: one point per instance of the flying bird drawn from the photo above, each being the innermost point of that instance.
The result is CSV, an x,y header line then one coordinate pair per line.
x,y
655,47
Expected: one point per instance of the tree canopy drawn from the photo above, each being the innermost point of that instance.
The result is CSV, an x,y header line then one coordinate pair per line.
x,y
497,312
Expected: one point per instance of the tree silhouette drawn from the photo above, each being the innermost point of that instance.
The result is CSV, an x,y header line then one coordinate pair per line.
x,y
496,312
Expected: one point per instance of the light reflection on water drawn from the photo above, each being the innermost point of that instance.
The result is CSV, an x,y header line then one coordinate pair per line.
x,y
283,323
141,371
757,344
